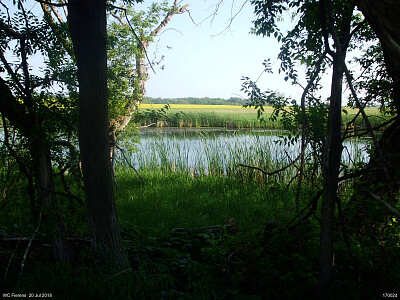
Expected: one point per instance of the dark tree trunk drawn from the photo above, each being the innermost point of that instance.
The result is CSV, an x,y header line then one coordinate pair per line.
x,y
331,164
87,24
333,143
42,169
383,16
52,217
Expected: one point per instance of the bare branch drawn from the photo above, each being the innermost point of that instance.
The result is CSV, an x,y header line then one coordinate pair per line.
x,y
378,149
11,258
232,18
274,172
52,3
380,201
59,18
10,72
118,18
47,14
304,131
171,13
27,249
127,161
190,16
8,12
137,37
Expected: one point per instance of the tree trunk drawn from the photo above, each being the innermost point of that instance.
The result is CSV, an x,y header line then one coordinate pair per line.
x,y
117,125
41,163
333,143
52,217
384,19
87,24
331,163
142,74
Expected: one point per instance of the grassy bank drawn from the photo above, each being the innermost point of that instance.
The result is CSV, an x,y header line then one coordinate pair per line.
x,y
167,200
230,116
254,261
239,236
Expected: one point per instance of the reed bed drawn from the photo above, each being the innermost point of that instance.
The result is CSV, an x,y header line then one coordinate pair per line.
x,y
208,153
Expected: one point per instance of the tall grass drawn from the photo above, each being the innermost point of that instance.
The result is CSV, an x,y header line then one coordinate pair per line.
x,y
209,153
225,154
167,200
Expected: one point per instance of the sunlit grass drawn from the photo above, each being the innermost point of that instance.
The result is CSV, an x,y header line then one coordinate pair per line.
x,y
167,200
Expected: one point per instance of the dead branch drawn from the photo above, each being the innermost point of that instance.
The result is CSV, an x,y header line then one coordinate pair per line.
x,y
380,201
208,229
274,172
67,194
120,273
11,258
52,3
128,162
11,72
171,13
151,124
27,249
304,142
64,41
134,33
313,203
232,18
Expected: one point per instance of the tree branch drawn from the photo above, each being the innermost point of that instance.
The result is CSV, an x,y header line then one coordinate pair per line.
x,y
27,249
52,3
175,10
380,201
63,40
137,37
127,161
274,172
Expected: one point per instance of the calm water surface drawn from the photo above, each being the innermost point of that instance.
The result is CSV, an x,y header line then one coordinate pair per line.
x,y
200,147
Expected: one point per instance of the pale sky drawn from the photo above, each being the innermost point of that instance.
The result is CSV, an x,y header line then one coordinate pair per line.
x,y
204,63
200,61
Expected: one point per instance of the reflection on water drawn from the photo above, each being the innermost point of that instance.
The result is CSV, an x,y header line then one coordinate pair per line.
x,y
222,149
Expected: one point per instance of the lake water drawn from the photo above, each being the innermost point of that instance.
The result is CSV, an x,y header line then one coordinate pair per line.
x,y
221,149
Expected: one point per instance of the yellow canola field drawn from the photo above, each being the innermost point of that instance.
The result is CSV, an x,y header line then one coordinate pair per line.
x,y
186,106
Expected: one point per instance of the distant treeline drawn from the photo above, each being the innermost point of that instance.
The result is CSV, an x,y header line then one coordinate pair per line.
x,y
192,100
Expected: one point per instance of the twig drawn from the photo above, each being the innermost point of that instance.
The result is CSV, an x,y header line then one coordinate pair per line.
x,y
11,258
231,18
271,173
8,12
120,273
127,161
68,194
380,201
52,3
27,249
190,16
134,32
313,203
